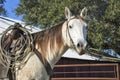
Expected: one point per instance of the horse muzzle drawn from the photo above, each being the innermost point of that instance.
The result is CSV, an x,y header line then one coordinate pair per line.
x,y
80,47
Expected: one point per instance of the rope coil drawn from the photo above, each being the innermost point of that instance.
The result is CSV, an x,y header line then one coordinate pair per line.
x,y
17,47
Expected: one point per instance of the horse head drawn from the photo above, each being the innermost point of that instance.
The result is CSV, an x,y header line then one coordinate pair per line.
x,y
76,30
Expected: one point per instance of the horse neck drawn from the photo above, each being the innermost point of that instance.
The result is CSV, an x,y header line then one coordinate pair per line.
x,y
51,43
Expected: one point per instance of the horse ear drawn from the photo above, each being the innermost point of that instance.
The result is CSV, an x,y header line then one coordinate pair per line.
x,y
83,13
68,13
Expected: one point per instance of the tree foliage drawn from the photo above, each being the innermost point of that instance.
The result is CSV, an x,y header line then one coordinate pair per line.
x,y
2,9
45,12
103,23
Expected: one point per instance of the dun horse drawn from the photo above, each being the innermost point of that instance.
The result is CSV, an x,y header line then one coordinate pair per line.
x,y
51,44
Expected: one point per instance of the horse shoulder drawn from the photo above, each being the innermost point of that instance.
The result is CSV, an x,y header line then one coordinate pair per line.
x,y
33,70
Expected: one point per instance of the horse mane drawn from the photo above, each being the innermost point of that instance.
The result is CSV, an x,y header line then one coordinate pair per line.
x,y
48,37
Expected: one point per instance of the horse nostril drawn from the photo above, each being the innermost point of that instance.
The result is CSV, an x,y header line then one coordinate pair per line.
x,y
79,45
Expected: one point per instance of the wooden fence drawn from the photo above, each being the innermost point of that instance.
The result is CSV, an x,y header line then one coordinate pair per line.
x,y
99,71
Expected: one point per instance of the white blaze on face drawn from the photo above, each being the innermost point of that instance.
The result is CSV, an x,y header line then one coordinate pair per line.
x,y
77,29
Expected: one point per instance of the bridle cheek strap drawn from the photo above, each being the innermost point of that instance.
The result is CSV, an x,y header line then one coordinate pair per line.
x,y
73,45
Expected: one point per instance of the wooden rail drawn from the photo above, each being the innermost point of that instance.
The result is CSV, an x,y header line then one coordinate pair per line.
x,y
101,64
84,79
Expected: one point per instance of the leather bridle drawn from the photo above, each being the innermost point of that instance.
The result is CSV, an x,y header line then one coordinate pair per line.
x,y
73,45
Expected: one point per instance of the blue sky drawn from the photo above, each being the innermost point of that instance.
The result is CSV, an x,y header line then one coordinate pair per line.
x,y
10,5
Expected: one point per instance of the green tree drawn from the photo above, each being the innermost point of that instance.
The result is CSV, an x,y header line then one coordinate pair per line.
x,y
103,23
45,12
2,9
104,31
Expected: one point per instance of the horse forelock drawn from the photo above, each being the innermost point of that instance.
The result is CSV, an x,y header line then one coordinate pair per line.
x,y
79,17
50,38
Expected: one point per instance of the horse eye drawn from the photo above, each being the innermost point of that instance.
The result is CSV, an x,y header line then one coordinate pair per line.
x,y
70,26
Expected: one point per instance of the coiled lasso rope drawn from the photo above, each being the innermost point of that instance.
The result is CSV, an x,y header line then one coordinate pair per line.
x,y
18,50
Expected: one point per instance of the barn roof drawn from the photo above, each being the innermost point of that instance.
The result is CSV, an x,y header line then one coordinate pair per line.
x,y
5,22
72,54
